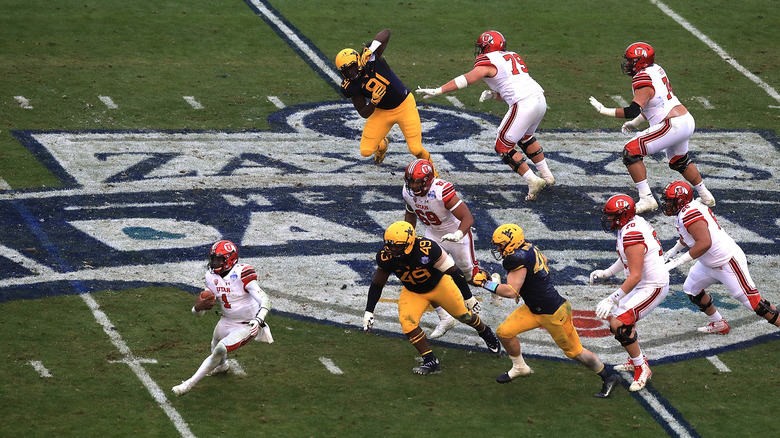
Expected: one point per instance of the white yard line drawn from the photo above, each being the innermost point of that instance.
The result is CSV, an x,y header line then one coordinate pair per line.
x,y
108,102
719,364
193,103
717,49
235,368
23,102
454,100
331,366
135,365
276,101
38,366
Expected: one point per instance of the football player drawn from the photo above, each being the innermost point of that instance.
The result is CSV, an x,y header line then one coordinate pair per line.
x,y
718,259
380,98
671,125
447,221
507,76
429,277
646,284
528,277
244,307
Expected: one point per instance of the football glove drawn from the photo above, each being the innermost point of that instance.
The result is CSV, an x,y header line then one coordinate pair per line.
x,y
600,108
365,56
428,92
452,237
368,321
256,322
604,308
675,262
473,305
378,94
672,252
487,95
598,274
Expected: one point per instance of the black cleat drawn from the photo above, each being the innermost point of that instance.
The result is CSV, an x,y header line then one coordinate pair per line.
x,y
431,367
607,386
491,341
504,378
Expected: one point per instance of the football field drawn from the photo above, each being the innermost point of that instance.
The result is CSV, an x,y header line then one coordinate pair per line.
x,y
135,134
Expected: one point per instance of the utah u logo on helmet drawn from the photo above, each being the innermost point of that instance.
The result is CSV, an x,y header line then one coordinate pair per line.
x,y
618,211
675,196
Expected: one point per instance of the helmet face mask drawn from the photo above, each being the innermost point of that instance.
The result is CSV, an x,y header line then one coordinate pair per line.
x,y
399,239
419,177
490,41
637,56
618,211
222,257
348,64
675,196
506,239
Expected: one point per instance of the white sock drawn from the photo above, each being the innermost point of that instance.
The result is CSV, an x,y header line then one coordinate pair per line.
x,y
639,360
644,189
206,367
442,313
542,166
529,175
518,363
715,317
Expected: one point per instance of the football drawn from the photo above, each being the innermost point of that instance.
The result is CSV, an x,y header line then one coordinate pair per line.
x,y
206,300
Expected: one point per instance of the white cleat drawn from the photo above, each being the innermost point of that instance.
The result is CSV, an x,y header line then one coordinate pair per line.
x,y
182,389
645,204
445,323
547,177
718,328
642,374
219,369
627,365
534,186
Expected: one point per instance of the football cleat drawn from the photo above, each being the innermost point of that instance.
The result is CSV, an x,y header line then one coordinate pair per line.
x,y
607,386
445,323
432,367
491,341
645,204
380,153
628,365
534,186
718,328
547,176
642,374
182,389
219,369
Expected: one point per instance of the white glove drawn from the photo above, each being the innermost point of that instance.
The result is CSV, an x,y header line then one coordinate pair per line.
x,y
255,322
495,299
673,263
672,252
473,305
598,274
604,308
487,95
600,108
428,92
628,128
368,321
452,237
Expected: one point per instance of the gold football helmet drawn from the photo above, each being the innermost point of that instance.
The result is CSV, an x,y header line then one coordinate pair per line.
x,y
348,64
507,238
399,239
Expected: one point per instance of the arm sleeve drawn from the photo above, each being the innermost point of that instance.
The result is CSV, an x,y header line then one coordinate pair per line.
x,y
260,296
460,281
374,293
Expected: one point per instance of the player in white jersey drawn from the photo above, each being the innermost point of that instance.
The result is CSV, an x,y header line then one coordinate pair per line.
x,y
671,125
447,221
507,76
244,306
718,259
645,286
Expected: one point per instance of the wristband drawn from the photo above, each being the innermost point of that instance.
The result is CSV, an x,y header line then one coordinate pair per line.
x,y
491,286
461,82
374,45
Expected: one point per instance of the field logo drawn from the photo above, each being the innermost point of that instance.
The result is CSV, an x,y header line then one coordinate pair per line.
x,y
141,208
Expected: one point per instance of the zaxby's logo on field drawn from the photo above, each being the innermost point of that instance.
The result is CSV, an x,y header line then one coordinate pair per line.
x,y
141,208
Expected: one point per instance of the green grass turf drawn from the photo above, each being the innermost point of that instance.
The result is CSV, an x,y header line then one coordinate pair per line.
x,y
62,55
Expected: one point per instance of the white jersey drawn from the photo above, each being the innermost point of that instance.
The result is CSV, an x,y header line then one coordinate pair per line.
x,y
663,100
430,209
438,220
723,247
237,304
512,80
639,232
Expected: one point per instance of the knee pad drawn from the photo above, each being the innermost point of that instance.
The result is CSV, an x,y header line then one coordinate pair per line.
x,y
623,335
220,350
764,307
510,159
680,163
697,300
629,158
524,146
